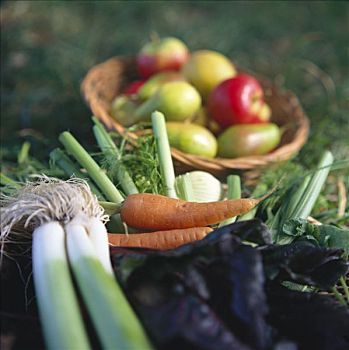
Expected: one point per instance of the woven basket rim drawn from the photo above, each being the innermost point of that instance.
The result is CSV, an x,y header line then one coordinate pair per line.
x,y
97,96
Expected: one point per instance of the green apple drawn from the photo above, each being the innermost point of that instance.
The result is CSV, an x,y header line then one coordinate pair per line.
x,y
205,69
156,81
202,118
177,100
123,110
192,138
248,139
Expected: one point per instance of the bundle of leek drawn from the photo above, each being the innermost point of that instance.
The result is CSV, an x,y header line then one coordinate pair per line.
x,y
66,226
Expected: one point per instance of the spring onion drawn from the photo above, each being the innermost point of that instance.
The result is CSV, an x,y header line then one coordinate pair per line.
x,y
43,209
68,210
115,321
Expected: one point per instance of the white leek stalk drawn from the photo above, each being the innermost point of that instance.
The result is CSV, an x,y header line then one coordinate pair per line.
x,y
115,321
35,209
99,238
42,207
58,307
87,242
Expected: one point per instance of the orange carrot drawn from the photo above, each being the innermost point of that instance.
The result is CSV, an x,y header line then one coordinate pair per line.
x,y
161,240
155,212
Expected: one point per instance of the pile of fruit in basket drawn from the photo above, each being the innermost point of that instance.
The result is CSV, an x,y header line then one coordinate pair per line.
x,y
211,109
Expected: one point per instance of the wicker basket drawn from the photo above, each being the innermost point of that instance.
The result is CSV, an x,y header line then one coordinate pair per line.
x,y
104,81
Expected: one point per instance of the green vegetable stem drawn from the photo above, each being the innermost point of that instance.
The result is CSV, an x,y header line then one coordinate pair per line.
x,y
74,148
164,151
112,155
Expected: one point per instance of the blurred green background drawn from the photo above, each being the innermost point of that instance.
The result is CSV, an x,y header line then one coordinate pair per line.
x,y
48,46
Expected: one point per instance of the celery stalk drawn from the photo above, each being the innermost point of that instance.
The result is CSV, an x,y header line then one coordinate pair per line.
x,y
291,206
299,200
234,192
313,189
164,151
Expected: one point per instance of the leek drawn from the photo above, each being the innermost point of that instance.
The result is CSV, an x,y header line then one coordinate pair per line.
x,y
115,321
57,209
36,206
57,302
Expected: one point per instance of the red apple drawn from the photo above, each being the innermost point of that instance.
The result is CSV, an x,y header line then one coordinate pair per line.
x,y
238,100
161,55
133,87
